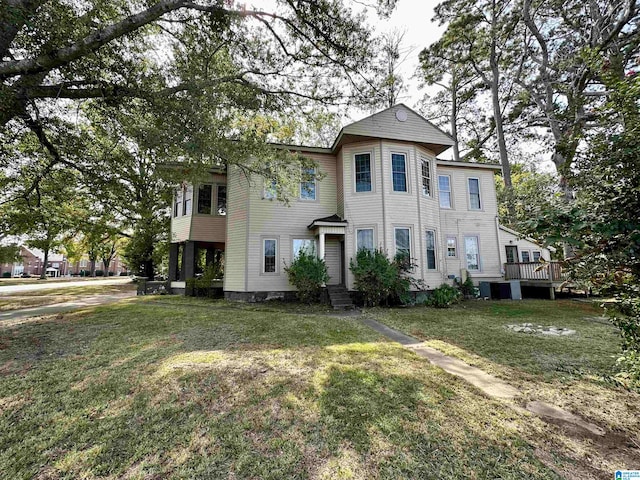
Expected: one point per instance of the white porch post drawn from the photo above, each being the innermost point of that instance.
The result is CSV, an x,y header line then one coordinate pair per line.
x,y
321,246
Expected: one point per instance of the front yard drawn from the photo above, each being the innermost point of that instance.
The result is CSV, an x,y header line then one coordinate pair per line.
x,y
173,387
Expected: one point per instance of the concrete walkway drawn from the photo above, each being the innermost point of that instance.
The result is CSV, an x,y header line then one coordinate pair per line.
x,y
51,284
13,317
491,386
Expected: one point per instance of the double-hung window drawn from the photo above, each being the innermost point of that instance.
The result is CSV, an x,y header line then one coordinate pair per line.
x,y
187,199
364,239
426,178
431,249
308,184
399,172
474,193
526,257
536,256
403,241
269,253
363,172
452,247
221,199
177,203
205,197
444,190
472,253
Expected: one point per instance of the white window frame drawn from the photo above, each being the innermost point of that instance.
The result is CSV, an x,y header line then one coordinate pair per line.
x,y
406,172
533,255
177,203
435,250
373,238
450,192
466,260
528,253
428,177
270,189
315,185
455,246
187,198
471,207
264,256
395,242
371,174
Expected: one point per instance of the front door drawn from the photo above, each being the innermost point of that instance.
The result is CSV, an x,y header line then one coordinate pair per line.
x,y
333,260
512,254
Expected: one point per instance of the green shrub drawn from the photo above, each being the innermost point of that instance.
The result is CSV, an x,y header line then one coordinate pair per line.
x,y
6,275
626,316
308,274
467,288
444,296
201,286
381,280
99,273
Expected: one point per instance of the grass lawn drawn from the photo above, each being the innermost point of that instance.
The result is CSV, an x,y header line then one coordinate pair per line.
x,y
567,371
173,387
50,296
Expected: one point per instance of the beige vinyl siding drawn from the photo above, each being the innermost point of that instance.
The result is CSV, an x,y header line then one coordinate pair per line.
x,y
461,222
209,228
180,228
340,188
272,219
386,125
236,234
361,209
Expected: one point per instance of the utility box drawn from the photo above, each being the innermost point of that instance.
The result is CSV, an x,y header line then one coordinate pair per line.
x,y
485,289
506,290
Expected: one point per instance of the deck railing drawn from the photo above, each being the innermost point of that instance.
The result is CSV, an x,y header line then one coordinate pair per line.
x,y
549,271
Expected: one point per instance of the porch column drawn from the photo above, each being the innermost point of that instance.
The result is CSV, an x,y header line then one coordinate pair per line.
x,y
173,261
189,260
321,246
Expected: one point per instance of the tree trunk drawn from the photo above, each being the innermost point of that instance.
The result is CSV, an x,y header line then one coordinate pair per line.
x,y
43,272
92,267
454,120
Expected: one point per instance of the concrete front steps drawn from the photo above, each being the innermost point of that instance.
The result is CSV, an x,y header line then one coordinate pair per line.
x,y
339,297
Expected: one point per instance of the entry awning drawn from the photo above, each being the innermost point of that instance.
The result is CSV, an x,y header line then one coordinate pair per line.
x,y
333,225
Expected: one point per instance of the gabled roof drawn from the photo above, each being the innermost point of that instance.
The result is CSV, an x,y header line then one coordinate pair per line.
x,y
529,239
396,123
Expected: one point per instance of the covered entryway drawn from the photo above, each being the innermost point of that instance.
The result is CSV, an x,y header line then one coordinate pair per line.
x,y
330,232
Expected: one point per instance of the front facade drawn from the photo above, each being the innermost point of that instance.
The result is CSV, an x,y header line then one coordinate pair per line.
x,y
382,187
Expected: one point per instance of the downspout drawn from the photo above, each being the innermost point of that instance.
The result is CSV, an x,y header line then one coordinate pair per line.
x,y
384,213
500,259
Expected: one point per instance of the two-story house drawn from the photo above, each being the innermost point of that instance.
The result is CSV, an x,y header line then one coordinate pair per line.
x,y
382,187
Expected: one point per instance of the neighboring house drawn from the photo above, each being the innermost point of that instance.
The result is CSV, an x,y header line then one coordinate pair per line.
x,y
116,266
33,263
382,188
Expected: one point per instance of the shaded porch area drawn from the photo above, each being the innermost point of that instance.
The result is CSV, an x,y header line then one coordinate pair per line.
x,y
191,259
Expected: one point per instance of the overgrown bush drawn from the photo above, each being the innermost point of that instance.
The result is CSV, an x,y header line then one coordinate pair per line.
x,y
444,296
626,316
202,286
467,288
308,274
380,280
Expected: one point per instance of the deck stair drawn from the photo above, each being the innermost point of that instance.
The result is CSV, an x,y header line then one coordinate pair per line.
x,y
339,297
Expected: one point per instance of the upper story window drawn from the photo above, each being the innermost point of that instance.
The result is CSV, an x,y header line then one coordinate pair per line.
x,y
474,193
403,241
364,239
431,249
308,184
205,198
270,189
426,178
536,256
444,190
221,198
177,203
187,200
526,257
399,172
363,172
